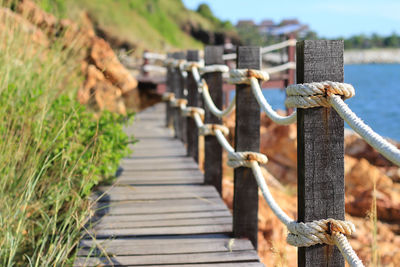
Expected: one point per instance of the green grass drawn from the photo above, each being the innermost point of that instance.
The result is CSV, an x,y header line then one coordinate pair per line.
x,y
52,151
151,24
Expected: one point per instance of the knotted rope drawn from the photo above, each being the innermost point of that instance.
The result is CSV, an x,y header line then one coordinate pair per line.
x,y
244,159
190,111
210,129
309,95
168,96
179,103
317,232
243,76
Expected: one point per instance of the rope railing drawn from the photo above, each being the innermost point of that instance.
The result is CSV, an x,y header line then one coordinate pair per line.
x,y
265,49
308,95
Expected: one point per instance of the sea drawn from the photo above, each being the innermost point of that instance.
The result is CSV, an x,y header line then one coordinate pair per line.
x,y
377,99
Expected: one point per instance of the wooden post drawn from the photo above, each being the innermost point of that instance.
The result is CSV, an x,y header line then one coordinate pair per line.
x,y
177,82
212,149
290,79
192,132
247,138
320,152
169,87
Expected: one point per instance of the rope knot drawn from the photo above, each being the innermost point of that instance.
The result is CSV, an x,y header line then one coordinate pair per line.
x,y
209,129
188,66
179,103
317,232
244,159
168,96
190,111
309,95
244,76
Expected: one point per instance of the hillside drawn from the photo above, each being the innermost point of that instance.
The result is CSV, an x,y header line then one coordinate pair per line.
x,y
157,25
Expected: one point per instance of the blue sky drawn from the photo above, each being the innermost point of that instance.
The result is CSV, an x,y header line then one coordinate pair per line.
x,y
328,18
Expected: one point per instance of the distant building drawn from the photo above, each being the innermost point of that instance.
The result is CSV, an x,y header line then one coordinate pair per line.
x,y
269,27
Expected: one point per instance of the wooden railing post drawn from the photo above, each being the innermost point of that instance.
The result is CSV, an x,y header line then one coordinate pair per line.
x,y
178,90
212,149
320,154
169,88
192,132
247,138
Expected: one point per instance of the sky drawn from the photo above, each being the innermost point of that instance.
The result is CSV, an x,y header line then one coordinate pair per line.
x,y
329,18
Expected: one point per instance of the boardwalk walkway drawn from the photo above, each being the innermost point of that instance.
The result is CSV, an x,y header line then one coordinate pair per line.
x,y
158,212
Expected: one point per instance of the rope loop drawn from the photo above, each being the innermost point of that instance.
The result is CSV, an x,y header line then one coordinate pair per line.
x,y
179,102
189,65
317,232
168,96
209,129
213,68
190,111
244,159
243,76
316,94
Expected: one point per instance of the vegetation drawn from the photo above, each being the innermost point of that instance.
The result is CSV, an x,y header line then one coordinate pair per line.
x,y
149,24
52,151
373,41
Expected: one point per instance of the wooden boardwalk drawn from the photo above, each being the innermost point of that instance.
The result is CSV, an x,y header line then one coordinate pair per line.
x,y
159,212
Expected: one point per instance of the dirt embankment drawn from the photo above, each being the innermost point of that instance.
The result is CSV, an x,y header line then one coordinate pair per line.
x,y
108,85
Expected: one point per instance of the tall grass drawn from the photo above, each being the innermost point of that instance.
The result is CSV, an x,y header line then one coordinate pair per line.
x,y
52,151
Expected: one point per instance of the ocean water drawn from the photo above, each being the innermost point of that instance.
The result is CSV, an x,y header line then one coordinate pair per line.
x,y
377,99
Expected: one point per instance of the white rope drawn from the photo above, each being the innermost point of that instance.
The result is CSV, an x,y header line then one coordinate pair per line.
x,y
213,68
213,108
388,150
156,56
286,66
229,56
190,111
223,142
310,233
290,42
155,68
266,107
210,129
309,95
242,76
203,89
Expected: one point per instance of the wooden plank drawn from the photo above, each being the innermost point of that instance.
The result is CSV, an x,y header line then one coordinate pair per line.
x,y
167,230
157,174
247,138
320,136
156,165
212,149
162,223
193,101
160,206
177,247
236,264
144,190
169,181
211,257
164,216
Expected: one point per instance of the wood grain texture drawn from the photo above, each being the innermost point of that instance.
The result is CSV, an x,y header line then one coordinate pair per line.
x,y
320,136
247,138
192,135
158,211
212,149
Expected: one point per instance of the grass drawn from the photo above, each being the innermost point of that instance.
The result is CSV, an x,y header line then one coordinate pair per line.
x,y
151,24
52,151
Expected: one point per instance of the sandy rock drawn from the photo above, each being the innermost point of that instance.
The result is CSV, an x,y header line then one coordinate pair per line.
x,y
10,21
47,22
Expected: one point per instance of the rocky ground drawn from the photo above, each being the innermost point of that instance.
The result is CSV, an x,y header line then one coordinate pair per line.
x,y
107,83
364,168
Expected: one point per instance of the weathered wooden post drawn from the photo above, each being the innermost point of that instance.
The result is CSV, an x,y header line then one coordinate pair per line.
x,y
291,52
320,153
169,88
178,90
212,149
247,138
192,132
